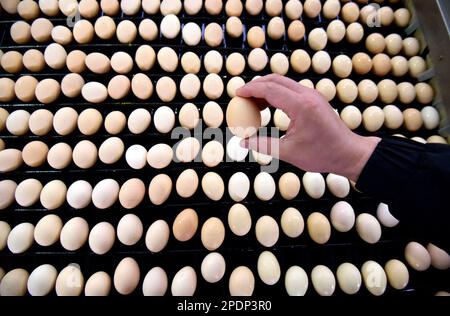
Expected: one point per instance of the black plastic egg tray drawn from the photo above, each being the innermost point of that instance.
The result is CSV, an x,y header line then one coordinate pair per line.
x,y
302,251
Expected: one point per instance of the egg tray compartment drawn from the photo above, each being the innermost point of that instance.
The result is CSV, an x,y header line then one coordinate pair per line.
x,y
236,250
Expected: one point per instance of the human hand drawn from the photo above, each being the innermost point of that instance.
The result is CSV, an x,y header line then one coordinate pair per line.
x,y
316,140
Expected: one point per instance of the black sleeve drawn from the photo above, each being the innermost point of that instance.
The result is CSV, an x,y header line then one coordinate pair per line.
x,y
414,180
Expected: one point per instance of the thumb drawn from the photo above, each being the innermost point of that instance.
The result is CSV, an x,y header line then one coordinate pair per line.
x,y
264,145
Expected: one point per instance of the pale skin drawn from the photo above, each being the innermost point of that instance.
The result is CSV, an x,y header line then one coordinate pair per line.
x,y
317,140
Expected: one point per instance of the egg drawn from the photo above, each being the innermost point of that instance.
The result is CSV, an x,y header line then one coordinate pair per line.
x,y
238,186
119,87
101,238
213,86
440,259
126,276
129,229
189,116
417,66
265,117
397,274
170,7
105,27
170,26
184,283
20,238
394,44
339,186
260,158
55,56
7,92
213,186
12,62
354,33
413,119
213,267
317,39
74,234
402,17
98,284
289,185
296,31
362,63
268,268
293,9
79,194
14,283
192,7
157,236
10,159
136,156
399,66
235,151
241,282
145,57
349,278
212,233
75,61
164,119
155,282
98,63
70,281
94,92
406,92
233,26
327,88
234,84
314,184
28,9
212,153
59,156
368,91
368,228
321,62
41,30
351,116
264,186
105,193
25,87
239,219
167,59
111,150
267,231
126,32
385,217
342,216
187,183
417,256
83,31
7,193
312,8
296,281
4,232
212,114
27,192
159,189
319,228
185,225
374,277
65,121
235,63
53,194
292,222
17,122
49,8
375,43
323,280
411,46
387,89
373,118
138,121
381,65
300,61
213,61
424,93
342,66
159,156
42,280
436,139
187,149
442,293
89,121
132,193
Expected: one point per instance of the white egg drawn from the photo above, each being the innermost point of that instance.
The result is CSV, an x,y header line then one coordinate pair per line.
x,y
368,228
70,281
266,115
314,184
374,277
164,119
338,185
105,193
397,274
157,236
98,284
292,222
268,268
14,283
184,282
342,216
385,217
430,117
440,259
264,186
267,231
235,151
136,156
79,194
213,186
242,282
129,229
323,280
155,282
261,158
417,256
296,281
281,120
74,234
238,186
213,267
349,278
101,238
42,280
21,238
239,219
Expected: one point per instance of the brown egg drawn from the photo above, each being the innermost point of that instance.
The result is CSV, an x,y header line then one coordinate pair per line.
x,y
354,33
62,35
187,183
233,8
256,37
413,119
243,117
20,32
105,27
98,63
48,230
49,7
148,30
402,17
28,192
375,43
132,193
362,63
75,61
10,159
185,225
190,63
111,7
72,84
399,66
17,122
406,92
293,9
213,34
111,150
312,8
41,30
368,91
68,7
234,27
115,122
12,62
89,121
34,154
88,8
83,32
84,154
212,114
65,121
319,228
25,87
331,9
7,190
33,60
47,91
41,122
3,116
213,233
381,65
424,92
167,59
300,61
190,86
189,116
126,32
213,86
253,7
74,234
53,195
273,7
28,9
142,86
296,31
411,46
235,64
289,185
276,28
213,7
350,12
145,57
234,84
159,189
118,87
166,89
59,156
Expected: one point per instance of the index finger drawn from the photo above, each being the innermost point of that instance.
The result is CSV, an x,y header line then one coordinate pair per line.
x,y
284,81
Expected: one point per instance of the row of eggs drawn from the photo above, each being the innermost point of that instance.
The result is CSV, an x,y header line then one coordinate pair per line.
x,y
70,281
75,232
106,192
